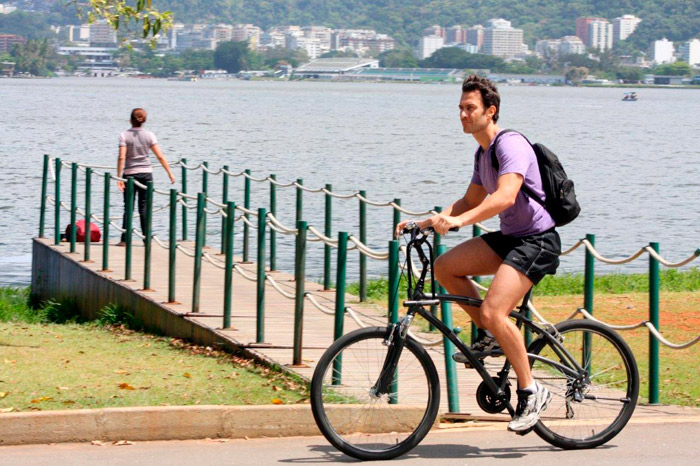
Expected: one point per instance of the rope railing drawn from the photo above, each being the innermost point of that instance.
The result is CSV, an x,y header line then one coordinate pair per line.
x,y
261,220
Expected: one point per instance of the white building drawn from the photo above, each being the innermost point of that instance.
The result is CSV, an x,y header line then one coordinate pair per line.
x,y
321,33
624,26
246,32
499,23
79,33
102,34
600,35
313,46
547,47
7,9
690,52
223,32
502,40
661,51
571,45
427,45
469,48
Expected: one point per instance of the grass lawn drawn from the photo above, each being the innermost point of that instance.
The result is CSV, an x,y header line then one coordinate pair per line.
x,y
72,366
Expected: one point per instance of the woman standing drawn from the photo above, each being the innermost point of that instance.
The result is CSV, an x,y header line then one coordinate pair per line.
x,y
133,162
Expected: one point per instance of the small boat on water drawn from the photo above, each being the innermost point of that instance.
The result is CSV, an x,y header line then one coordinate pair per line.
x,y
629,97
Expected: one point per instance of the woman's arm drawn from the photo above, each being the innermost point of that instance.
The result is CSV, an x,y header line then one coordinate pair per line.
x,y
161,158
121,160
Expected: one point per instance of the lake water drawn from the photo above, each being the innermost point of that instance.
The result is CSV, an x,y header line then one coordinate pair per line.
x,y
635,164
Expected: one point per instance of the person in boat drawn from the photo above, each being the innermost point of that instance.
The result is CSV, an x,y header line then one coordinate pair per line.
x,y
133,162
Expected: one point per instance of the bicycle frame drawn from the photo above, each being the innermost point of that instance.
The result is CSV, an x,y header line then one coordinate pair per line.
x,y
416,304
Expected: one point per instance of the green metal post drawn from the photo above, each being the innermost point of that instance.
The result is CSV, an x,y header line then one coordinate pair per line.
x,y
172,247
326,248
340,302
588,290
397,216
363,240
184,200
205,190
300,200
105,226
654,282
129,226
44,186
88,213
299,278
246,228
199,244
148,238
476,231
228,275
437,241
273,233
57,207
224,200
260,302
450,366
394,307
73,204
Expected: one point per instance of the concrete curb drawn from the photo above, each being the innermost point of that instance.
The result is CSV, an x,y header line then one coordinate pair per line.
x,y
174,423
156,423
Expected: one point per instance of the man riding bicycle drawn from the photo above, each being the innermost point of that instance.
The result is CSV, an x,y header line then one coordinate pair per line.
x,y
526,248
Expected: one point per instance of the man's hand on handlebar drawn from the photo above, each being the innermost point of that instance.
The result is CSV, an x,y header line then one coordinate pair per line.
x,y
440,224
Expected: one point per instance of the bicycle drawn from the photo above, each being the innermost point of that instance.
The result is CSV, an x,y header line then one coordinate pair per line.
x,y
375,392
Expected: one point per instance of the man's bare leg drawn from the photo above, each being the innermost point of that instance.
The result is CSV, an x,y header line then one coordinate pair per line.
x,y
473,257
507,289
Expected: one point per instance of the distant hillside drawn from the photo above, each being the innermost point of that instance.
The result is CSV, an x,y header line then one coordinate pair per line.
x,y
405,19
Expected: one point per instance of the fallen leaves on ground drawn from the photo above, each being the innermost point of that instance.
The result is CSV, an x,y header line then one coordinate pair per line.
x,y
43,398
126,386
277,401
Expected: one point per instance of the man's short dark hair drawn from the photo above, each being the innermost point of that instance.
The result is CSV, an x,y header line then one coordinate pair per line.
x,y
488,90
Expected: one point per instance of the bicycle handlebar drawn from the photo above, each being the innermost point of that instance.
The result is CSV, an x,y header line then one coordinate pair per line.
x,y
412,227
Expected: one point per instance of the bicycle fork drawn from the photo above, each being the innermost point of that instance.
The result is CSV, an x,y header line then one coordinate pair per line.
x,y
387,380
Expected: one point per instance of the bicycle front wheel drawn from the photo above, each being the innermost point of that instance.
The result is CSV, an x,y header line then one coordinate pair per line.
x,y
353,417
586,411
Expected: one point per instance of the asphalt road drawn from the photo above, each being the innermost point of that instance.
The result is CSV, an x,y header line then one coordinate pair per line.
x,y
674,443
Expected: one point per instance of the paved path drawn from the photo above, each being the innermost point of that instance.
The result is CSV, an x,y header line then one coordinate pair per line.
x,y
641,443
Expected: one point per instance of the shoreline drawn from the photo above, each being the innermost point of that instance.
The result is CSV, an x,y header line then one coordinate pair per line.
x,y
368,81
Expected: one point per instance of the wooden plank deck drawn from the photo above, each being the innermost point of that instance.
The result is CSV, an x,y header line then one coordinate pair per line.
x,y
279,310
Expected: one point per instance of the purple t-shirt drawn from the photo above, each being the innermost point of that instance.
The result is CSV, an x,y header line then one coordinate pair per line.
x,y
515,155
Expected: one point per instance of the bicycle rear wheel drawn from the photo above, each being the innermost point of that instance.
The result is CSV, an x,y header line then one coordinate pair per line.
x,y
587,412
359,423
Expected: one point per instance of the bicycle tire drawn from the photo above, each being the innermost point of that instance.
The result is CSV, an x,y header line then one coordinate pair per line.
x,y
609,397
351,419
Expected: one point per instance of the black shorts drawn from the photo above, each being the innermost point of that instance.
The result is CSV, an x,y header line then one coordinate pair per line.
x,y
535,255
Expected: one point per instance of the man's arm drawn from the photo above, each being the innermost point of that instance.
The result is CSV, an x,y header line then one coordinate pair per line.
x,y
161,158
474,196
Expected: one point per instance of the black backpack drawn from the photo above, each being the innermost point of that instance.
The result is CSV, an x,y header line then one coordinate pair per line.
x,y
560,198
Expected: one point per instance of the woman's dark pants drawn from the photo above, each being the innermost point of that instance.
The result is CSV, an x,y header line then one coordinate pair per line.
x,y
142,178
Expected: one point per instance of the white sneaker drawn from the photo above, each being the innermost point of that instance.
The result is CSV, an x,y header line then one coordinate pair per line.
x,y
530,405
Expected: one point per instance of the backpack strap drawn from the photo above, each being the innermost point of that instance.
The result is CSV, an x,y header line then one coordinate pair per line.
x,y
496,165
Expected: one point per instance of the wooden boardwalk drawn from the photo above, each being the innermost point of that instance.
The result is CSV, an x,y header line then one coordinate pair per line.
x,y
279,310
